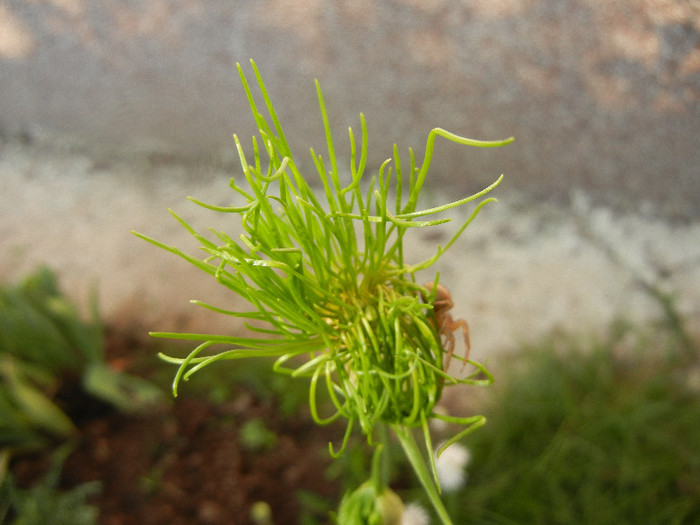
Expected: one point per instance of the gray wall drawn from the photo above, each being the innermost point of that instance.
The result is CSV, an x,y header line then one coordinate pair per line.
x,y
601,95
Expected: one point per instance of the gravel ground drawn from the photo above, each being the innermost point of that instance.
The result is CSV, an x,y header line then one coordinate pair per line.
x,y
522,269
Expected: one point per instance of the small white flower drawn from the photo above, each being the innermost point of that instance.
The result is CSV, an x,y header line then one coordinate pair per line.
x,y
451,467
414,514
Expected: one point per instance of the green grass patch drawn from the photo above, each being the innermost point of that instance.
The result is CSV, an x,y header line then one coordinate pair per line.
x,y
603,432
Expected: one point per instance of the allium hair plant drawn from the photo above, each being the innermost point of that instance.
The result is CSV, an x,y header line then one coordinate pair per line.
x,y
333,298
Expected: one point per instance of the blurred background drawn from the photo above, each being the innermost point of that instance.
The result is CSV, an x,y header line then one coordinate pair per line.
x,y
111,112
601,95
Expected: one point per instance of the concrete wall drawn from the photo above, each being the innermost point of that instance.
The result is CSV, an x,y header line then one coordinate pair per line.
x,y
602,96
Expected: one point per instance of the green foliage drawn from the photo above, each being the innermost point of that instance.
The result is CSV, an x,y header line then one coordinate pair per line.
x,y
256,436
42,338
314,509
45,503
368,506
39,325
582,434
327,280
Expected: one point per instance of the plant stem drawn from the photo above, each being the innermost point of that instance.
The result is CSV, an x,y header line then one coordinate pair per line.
x,y
410,448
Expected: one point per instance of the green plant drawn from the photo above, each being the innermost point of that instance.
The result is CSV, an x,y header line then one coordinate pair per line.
x,y
43,339
45,503
256,436
328,281
596,432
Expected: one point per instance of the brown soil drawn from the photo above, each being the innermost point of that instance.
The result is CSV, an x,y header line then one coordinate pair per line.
x,y
184,462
